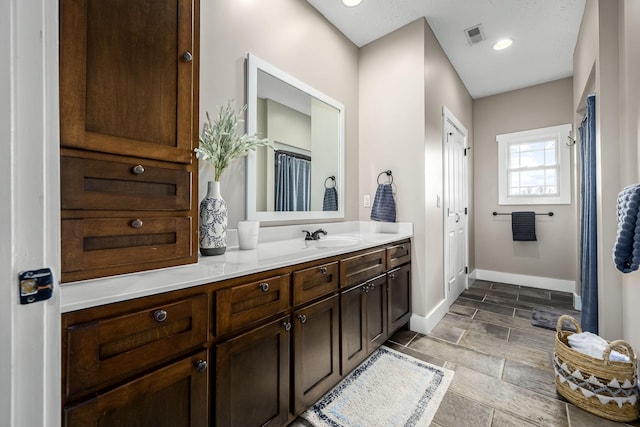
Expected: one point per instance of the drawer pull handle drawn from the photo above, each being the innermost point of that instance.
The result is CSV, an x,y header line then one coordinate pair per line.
x,y
136,223
302,318
264,287
138,169
201,365
287,326
160,316
323,270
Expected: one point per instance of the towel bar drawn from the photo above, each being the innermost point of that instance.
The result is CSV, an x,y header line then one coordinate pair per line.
x,y
499,213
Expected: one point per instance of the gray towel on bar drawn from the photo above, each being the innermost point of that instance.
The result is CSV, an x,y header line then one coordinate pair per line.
x,y
523,226
384,206
330,201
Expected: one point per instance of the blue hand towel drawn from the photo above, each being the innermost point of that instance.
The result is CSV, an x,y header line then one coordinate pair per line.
x,y
626,251
330,201
384,206
523,226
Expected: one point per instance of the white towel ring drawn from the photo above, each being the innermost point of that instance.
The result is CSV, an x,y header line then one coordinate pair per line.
x,y
333,179
389,175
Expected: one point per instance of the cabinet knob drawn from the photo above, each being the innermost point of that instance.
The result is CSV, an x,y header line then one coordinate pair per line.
x,y
302,318
187,56
287,326
136,223
264,287
138,169
392,276
402,247
201,365
160,316
323,270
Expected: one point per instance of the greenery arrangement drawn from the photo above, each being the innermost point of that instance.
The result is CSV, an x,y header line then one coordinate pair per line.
x,y
220,142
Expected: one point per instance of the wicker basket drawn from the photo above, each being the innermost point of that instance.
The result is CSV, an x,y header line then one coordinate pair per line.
x,y
602,387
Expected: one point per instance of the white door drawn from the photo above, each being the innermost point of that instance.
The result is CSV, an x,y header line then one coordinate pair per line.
x,y
455,206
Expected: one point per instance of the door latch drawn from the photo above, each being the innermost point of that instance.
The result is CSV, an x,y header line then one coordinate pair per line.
x,y
35,285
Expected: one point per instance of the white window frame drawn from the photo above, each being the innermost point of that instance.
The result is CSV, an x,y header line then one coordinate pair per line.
x,y
563,155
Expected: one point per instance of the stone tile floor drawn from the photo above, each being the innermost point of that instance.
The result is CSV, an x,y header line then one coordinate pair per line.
x,y
503,372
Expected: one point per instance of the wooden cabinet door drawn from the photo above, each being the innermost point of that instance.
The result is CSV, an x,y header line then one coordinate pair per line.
x,y
376,307
174,396
316,351
399,285
353,328
252,377
128,74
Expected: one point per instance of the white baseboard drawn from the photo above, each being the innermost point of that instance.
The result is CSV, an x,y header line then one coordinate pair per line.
x,y
521,279
425,325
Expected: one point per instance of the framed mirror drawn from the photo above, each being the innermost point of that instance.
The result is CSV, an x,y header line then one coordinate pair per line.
x,y
301,176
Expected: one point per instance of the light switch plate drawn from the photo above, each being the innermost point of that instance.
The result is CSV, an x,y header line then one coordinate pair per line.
x,y
367,201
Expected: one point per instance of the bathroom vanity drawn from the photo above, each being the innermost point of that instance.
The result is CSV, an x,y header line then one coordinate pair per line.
x,y
244,339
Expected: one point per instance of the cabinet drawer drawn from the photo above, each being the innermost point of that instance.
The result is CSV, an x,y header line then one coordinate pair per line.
x,y
315,282
362,267
243,304
398,254
109,185
112,242
106,351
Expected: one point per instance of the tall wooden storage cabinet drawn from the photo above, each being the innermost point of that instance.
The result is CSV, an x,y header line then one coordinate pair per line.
x,y
128,126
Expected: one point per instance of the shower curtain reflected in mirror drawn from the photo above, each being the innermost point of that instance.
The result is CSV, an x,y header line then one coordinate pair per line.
x,y
293,182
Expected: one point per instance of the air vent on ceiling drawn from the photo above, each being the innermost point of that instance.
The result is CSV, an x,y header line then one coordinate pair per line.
x,y
475,34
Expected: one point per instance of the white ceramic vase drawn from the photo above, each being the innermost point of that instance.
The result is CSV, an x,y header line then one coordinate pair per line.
x,y
213,221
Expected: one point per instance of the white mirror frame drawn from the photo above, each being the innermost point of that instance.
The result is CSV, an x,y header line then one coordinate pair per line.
x,y
253,65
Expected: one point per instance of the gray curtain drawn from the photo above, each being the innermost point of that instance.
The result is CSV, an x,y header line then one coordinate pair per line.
x,y
588,237
293,182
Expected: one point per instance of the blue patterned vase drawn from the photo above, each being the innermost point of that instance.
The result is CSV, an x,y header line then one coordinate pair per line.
x,y
213,221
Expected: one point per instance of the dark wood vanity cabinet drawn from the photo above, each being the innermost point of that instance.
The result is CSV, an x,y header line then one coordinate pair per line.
x,y
172,396
252,377
399,290
138,363
316,351
128,125
364,321
248,351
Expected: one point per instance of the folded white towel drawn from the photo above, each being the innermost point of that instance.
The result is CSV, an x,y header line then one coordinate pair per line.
x,y
593,345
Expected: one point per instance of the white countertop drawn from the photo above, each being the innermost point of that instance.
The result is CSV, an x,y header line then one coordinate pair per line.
x,y
277,247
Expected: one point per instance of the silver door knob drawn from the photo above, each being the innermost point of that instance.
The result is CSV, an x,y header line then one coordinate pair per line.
x,y
160,316
187,56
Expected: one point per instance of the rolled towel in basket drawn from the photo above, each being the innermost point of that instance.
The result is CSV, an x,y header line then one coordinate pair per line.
x,y
593,345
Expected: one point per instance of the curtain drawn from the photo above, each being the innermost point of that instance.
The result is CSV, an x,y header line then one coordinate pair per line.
x,y
588,227
293,182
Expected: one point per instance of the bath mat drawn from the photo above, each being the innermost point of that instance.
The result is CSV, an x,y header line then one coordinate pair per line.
x,y
547,318
388,389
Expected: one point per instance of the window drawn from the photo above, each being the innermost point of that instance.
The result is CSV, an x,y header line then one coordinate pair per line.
x,y
533,167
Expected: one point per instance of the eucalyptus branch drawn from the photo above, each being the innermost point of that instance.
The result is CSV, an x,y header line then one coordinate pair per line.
x,y
220,142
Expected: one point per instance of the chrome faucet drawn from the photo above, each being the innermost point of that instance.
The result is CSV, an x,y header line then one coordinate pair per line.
x,y
315,235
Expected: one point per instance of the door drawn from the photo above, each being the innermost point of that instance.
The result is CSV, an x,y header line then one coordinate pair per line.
x,y
353,324
455,206
376,307
399,288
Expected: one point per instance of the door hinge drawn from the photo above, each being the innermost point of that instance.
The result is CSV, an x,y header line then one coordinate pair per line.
x,y
466,270
466,211
465,152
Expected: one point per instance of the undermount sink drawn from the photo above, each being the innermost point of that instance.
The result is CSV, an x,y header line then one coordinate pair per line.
x,y
333,242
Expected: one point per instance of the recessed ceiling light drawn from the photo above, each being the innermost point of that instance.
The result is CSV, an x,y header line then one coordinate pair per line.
x,y
502,44
351,3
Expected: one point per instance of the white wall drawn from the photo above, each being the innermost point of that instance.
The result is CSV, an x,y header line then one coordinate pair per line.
x,y
405,79
630,137
294,37
552,256
597,65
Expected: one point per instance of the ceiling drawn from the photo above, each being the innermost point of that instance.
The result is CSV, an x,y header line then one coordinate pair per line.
x,y
544,34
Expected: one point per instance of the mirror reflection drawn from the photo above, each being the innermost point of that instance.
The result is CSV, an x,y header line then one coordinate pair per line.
x,y
300,175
